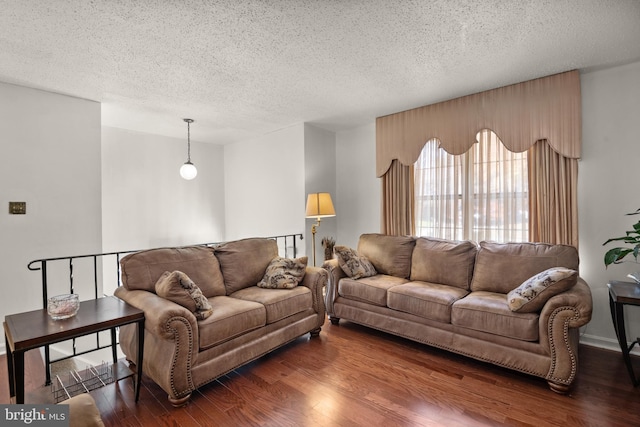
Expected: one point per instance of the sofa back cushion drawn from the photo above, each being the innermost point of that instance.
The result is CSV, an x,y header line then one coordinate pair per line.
x,y
447,262
141,270
502,267
389,255
244,262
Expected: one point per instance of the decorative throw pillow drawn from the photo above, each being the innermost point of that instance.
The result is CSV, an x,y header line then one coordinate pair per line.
x,y
354,265
534,292
179,288
284,273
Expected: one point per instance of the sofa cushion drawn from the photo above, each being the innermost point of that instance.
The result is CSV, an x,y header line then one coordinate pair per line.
x,y
244,262
179,288
534,292
502,267
141,270
278,303
389,255
489,312
429,300
231,317
284,273
372,290
353,264
443,261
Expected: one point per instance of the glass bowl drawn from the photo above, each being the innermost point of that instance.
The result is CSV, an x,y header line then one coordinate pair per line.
x,y
63,306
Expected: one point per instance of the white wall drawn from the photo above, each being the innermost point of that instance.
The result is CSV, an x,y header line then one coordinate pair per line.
x,y
320,177
49,158
264,185
358,188
146,204
608,186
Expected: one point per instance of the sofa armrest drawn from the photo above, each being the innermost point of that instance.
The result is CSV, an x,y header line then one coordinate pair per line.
x,y
171,340
316,278
560,319
576,300
159,313
335,274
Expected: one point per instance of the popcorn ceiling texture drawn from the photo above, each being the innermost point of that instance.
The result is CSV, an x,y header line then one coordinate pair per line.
x,y
242,68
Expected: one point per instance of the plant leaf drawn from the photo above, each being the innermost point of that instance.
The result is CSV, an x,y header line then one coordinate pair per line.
x,y
615,239
615,255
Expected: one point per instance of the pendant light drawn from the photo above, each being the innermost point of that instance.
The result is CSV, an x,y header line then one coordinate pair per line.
x,y
188,171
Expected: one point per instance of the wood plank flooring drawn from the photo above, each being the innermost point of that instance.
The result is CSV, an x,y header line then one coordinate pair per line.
x,y
355,376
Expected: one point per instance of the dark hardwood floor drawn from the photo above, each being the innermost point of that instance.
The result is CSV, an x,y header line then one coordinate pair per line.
x,y
355,376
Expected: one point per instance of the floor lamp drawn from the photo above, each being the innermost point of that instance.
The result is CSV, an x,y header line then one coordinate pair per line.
x,y
319,205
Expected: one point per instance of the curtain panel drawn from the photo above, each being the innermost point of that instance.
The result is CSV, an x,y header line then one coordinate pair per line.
x,y
397,216
546,108
553,196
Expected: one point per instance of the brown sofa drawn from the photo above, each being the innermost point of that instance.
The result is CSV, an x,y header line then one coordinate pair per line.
x,y
183,353
453,295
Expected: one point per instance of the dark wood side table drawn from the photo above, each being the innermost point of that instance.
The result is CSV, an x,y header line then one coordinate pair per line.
x,y
621,294
33,329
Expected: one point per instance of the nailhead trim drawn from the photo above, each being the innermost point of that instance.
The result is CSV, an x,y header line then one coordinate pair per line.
x,y
565,336
174,362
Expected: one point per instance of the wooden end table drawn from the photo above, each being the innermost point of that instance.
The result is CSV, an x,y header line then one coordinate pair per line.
x,y
621,294
33,329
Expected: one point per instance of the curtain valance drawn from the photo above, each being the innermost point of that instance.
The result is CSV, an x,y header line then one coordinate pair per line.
x,y
520,114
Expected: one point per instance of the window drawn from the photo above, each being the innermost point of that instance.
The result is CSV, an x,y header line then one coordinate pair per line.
x,y
479,195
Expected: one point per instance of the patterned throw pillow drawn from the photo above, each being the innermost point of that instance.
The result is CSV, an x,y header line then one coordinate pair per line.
x,y
179,288
354,265
534,292
284,273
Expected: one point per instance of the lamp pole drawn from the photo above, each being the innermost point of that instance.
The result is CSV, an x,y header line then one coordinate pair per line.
x,y
313,239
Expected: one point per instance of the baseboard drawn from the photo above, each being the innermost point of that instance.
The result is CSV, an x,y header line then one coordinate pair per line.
x,y
605,343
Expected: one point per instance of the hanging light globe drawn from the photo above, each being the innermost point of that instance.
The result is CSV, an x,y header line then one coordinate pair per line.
x,y
188,171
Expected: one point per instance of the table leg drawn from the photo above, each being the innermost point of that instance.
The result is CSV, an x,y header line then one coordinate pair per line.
x,y
617,312
10,368
18,375
140,357
47,365
114,346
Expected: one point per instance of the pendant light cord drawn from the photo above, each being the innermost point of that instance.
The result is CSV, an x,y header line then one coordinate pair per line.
x,y
189,142
188,121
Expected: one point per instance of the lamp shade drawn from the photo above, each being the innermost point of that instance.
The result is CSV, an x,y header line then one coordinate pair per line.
x,y
319,205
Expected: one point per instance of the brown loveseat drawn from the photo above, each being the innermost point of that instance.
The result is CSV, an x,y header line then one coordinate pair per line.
x,y
453,295
183,353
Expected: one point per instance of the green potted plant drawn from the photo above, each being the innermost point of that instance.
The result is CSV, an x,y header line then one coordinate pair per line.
x,y
617,255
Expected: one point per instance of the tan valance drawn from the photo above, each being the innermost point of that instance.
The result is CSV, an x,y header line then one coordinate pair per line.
x,y
520,114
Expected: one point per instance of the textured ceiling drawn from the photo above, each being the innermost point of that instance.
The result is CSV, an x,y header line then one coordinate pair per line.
x,y
243,68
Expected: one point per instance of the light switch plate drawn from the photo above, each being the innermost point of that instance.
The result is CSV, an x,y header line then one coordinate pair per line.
x,y
17,208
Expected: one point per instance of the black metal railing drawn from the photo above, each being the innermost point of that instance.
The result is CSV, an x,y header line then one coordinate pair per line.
x,y
287,244
94,271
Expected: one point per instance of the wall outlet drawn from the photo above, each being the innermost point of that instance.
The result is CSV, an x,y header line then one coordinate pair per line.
x,y
17,208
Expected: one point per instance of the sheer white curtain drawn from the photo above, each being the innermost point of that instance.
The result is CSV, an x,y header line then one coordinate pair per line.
x,y
479,195
438,193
